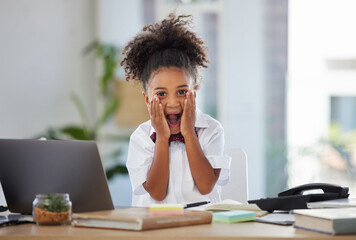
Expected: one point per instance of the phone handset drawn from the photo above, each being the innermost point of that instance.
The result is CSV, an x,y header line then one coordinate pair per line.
x,y
294,198
326,187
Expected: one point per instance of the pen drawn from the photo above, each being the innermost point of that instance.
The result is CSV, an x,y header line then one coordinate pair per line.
x,y
196,204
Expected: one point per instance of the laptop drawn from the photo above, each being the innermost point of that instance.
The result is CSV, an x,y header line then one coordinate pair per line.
x,y
30,167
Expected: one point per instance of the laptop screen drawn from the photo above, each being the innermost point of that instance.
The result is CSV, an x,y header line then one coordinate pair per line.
x,y
30,167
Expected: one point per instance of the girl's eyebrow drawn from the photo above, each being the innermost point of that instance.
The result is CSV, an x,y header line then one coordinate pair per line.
x,y
183,86
159,88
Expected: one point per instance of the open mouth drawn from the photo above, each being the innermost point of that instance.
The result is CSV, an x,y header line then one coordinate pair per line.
x,y
173,120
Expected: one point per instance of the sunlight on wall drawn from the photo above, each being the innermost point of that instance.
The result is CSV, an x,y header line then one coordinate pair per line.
x,y
320,33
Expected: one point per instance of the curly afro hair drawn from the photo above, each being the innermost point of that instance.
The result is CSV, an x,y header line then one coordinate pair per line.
x,y
169,43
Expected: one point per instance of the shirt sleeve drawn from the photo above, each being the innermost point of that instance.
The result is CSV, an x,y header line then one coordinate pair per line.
x,y
139,160
213,149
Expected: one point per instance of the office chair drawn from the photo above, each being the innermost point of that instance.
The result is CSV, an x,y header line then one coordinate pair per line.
x,y
237,187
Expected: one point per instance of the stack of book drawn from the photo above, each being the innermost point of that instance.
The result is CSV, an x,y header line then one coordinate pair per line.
x,y
332,221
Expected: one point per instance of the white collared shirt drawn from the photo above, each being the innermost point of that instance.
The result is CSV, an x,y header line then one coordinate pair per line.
x,y
181,187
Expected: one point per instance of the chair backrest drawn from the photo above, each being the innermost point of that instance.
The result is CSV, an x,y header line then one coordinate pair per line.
x,y
237,187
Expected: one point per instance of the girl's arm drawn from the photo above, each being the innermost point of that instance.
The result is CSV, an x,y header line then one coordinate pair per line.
x,y
205,177
158,176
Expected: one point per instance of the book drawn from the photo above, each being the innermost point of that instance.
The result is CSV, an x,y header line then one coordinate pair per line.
x,y
138,219
335,203
234,216
332,221
229,205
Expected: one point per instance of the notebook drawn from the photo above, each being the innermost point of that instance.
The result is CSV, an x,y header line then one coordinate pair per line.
x,y
30,167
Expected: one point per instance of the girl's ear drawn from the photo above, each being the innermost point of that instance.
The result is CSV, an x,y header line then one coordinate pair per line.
x,y
195,93
147,100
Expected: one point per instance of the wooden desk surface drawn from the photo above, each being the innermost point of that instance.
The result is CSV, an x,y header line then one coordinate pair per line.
x,y
247,230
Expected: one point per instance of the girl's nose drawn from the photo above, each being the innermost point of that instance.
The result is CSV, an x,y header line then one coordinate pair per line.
x,y
172,101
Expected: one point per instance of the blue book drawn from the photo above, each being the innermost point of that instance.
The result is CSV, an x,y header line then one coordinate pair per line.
x,y
234,216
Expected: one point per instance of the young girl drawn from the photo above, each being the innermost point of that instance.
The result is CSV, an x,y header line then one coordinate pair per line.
x,y
178,155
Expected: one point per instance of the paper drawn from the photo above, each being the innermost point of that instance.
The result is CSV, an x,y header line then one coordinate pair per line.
x,y
277,218
335,203
229,205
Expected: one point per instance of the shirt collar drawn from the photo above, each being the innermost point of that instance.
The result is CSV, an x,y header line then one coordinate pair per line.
x,y
200,121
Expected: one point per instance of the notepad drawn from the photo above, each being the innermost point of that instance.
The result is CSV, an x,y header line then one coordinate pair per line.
x,y
234,216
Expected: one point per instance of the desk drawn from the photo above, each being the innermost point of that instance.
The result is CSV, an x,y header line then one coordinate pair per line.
x,y
216,231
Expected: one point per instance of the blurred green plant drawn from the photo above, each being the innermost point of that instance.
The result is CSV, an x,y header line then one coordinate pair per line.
x,y
344,142
340,138
54,203
109,56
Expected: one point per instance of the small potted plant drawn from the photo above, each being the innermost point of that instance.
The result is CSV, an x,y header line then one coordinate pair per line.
x,y
52,209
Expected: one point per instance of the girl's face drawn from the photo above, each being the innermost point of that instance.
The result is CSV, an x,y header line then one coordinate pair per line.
x,y
170,84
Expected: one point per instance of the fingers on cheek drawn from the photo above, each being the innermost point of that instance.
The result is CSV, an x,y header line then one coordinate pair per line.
x,y
149,109
153,108
161,110
158,108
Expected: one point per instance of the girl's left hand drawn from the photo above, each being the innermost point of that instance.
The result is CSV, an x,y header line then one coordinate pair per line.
x,y
188,116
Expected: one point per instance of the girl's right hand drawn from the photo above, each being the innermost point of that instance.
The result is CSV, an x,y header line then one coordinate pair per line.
x,y
158,119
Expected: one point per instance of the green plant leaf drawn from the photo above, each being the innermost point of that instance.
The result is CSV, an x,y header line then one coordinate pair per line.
x,y
118,169
109,110
91,47
80,107
77,132
110,56
54,203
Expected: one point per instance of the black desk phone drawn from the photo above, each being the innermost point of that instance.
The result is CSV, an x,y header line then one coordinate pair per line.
x,y
295,199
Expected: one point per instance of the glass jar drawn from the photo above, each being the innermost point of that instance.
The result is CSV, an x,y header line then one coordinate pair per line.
x,y
52,209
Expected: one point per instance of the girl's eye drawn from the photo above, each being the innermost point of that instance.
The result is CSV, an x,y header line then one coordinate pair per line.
x,y
161,94
182,92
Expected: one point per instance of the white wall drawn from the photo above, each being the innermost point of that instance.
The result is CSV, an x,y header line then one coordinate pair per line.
x,y
320,30
41,63
316,36
117,23
242,96
2,197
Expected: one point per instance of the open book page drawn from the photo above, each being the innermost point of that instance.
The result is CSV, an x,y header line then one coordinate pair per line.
x,y
229,204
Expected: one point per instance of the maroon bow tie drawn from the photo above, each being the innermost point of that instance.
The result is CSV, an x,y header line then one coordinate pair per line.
x,y
174,137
